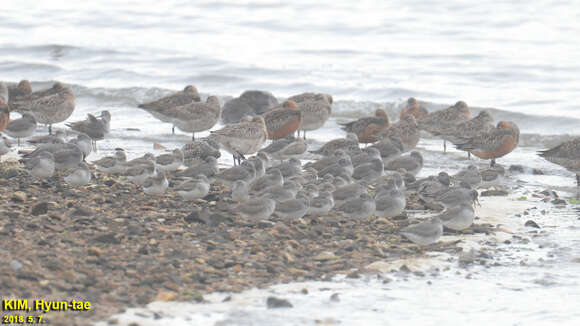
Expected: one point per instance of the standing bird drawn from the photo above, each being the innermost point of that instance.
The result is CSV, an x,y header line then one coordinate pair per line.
x,y
443,119
283,121
367,128
158,107
413,108
566,155
96,128
22,127
495,143
315,108
406,130
195,116
243,138
49,106
483,122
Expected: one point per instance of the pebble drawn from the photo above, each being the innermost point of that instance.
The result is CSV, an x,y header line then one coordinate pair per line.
x,y
273,303
532,224
334,297
494,192
324,256
39,209
19,197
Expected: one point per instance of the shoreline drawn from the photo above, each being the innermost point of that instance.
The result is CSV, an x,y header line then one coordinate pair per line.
x,y
112,245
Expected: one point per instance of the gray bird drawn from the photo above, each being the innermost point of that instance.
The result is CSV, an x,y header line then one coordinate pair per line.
x,y
470,175
288,168
194,188
413,163
22,127
240,189
293,209
321,205
78,176
458,217
424,233
255,209
41,165
390,203
245,171
361,207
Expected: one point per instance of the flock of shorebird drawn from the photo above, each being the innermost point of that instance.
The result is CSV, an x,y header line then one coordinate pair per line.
x,y
349,180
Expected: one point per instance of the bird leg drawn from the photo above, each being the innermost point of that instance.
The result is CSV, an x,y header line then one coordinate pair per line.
x,y
50,129
193,136
469,155
492,163
577,180
444,146
234,159
173,130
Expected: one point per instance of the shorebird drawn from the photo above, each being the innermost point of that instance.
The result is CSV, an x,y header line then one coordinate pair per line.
x,y
4,94
19,91
413,108
243,138
208,168
390,203
139,169
495,143
413,163
340,143
281,193
470,175
94,127
250,103
366,155
308,96
321,205
169,161
406,130
273,178
22,127
278,144
457,133
156,185
361,207
566,155
78,176
245,172
49,106
444,119
4,116
454,196
325,161
283,121
5,145
293,209
112,164
66,156
458,217
158,107
424,233
288,168
346,192
195,188
84,143
57,138
240,191
259,166
367,128
199,150
315,109
340,168
41,165
294,149
255,209
195,116
370,170
431,187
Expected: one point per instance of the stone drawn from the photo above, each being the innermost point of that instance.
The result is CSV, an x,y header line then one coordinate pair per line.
x,y
165,296
19,197
39,209
532,224
274,303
